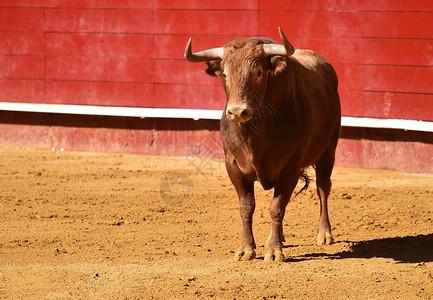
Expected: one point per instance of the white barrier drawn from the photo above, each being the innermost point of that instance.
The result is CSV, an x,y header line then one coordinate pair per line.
x,y
196,114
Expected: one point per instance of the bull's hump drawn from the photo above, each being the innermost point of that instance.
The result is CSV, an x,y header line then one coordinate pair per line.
x,y
308,58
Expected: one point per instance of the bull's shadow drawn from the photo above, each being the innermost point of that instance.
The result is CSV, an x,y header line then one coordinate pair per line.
x,y
408,249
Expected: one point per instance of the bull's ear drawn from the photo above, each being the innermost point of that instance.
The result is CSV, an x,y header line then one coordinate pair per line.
x,y
213,67
278,64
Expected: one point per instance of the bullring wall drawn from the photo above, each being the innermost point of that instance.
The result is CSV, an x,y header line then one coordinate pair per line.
x,y
130,54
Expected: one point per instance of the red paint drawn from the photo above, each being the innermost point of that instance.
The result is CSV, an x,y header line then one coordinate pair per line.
x,y
398,150
26,67
207,4
21,19
359,51
180,72
325,5
23,3
99,69
129,4
385,78
398,24
22,43
173,46
396,5
186,96
387,105
19,90
131,94
311,23
99,93
212,22
98,21
99,45
399,79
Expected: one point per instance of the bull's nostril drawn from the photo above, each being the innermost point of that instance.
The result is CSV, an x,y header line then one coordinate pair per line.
x,y
239,113
245,114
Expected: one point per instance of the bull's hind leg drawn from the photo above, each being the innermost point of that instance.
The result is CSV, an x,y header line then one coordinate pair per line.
x,y
323,181
245,191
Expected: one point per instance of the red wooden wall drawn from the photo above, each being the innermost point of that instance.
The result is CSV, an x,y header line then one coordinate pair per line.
x,y
130,52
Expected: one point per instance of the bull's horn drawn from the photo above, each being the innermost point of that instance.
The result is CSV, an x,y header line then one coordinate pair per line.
x,y
286,49
205,55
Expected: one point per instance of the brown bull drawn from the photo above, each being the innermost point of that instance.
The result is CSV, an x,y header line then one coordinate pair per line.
x,y
282,115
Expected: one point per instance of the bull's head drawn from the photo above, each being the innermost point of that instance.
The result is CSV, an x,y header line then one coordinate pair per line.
x,y
244,66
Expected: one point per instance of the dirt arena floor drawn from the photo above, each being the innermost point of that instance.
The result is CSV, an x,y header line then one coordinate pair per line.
x,y
98,226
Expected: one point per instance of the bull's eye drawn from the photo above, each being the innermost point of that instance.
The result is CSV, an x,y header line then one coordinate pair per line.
x,y
259,73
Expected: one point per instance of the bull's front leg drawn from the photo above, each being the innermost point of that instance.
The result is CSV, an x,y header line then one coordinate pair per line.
x,y
246,209
276,237
277,209
245,190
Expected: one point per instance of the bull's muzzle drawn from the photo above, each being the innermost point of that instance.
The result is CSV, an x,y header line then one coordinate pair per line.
x,y
239,113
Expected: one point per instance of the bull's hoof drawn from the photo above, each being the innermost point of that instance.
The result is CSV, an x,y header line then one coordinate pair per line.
x,y
324,238
244,255
277,256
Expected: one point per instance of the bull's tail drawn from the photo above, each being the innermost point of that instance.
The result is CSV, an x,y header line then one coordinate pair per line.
x,y
306,180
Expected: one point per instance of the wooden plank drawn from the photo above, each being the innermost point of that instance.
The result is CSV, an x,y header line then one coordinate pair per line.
x,y
99,93
23,3
350,77
129,4
99,21
173,46
398,5
18,90
399,79
21,43
182,72
99,69
206,22
412,25
207,4
21,19
311,23
25,67
385,78
325,5
405,106
188,96
387,105
124,4
354,5
411,52
99,45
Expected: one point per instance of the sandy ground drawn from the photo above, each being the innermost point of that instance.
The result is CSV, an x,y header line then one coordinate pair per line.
x,y
98,226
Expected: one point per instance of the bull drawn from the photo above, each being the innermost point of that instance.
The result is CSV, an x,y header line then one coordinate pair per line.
x,y
282,115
